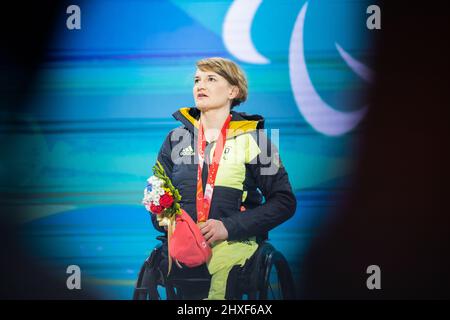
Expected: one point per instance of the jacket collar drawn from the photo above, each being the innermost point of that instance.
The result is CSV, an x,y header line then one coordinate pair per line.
x,y
240,122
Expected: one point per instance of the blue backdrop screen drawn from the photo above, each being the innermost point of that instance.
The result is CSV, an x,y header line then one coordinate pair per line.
x,y
102,107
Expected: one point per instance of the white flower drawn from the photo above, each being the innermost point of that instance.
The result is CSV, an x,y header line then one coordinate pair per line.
x,y
154,197
155,182
160,191
150,180
156,192
147,198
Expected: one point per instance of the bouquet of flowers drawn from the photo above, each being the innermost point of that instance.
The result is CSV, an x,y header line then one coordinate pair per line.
x,y
161,197
185,244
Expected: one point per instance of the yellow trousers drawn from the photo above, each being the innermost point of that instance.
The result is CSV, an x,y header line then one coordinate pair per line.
x,y
225,255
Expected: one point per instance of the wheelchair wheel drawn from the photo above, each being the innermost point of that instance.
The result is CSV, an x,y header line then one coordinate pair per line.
x,y
151,283
273,277
147,282
265,276
154,284
277,282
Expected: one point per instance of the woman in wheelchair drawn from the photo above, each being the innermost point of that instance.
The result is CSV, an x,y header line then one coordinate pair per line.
x,y
223,165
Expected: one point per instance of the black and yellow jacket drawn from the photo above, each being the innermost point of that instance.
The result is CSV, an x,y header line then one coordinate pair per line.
x,y
250,174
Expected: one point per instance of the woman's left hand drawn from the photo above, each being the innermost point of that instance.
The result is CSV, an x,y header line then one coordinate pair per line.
x,y
214,230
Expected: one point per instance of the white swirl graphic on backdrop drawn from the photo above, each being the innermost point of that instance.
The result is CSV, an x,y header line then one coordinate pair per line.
x,y
322,117
237,31
317,112
361,70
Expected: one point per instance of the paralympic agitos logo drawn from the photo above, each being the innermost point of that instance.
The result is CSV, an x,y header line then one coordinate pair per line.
x,y
321,116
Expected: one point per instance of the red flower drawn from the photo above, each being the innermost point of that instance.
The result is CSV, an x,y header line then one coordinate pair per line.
x,y
156,209
166,200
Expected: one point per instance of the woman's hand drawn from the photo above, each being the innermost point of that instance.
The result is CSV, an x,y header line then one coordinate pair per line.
x,y
214,230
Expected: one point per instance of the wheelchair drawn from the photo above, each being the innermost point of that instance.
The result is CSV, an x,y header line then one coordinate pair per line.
x,y
265,276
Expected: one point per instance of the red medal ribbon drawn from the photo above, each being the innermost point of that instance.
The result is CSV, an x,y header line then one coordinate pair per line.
x,y
203,198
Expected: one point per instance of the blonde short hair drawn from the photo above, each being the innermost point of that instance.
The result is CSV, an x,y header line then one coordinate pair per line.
x,y
230,71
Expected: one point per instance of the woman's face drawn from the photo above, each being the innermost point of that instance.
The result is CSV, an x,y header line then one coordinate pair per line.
x,y
212,91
